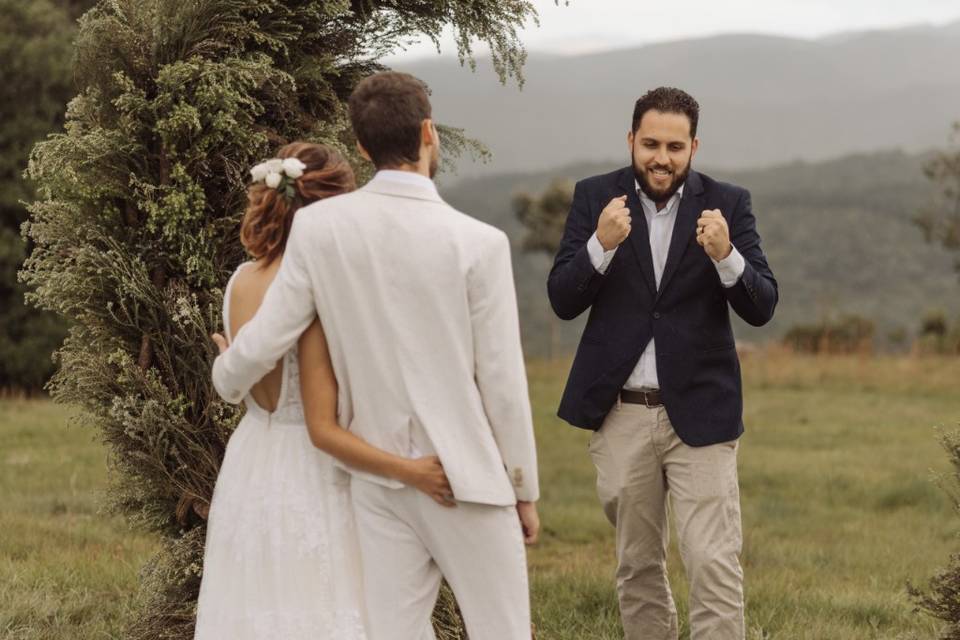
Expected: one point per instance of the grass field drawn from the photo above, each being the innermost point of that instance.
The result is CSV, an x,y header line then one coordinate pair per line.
x,y
839,510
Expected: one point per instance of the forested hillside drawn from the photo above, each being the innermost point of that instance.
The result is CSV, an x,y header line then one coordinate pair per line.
x,y
839,236
765,99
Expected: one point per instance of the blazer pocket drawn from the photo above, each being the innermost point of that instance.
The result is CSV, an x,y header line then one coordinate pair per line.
x,y
721,347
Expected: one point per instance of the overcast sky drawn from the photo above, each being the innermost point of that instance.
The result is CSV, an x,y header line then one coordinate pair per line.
x,y
596,25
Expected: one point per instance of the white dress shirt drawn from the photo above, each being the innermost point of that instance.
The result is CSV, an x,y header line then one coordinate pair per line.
x,y
660,226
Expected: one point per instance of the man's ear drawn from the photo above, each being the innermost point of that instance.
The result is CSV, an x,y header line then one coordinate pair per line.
x,y
630,141
363,152
428,134
693,147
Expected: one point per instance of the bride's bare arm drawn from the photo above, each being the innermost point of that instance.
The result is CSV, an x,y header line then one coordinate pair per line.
x,y
318,385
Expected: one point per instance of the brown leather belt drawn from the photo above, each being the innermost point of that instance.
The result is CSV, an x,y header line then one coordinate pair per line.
x,y
649,398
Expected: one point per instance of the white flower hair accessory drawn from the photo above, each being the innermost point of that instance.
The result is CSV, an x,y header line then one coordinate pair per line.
x,y
279,174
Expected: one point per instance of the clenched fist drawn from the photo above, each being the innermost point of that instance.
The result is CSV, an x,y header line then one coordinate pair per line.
x,y
713,235
613,227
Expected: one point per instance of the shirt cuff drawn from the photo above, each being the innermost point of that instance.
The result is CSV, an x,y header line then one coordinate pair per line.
x,y
730,268
599,258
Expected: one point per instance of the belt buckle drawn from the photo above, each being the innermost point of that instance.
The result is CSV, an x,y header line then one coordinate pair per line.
x,y
646,400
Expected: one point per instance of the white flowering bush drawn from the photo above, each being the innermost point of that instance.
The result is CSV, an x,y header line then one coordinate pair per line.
x,y
135,226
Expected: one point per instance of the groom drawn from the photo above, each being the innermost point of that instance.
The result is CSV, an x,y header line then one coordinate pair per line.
x,y
417,302
658,253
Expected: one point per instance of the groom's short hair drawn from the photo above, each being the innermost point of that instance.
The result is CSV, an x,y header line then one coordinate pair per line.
x,y
386,111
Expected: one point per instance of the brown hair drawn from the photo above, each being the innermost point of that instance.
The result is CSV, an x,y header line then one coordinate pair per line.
x,y
266,223
667,100
386,111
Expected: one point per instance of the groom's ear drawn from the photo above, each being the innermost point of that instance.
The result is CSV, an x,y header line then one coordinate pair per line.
x,y
363,152
428,135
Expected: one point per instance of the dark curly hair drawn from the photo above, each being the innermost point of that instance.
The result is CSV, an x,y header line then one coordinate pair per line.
x,y
266,223
667,100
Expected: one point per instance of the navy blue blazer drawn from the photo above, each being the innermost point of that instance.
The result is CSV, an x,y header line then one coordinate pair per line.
x,y
689,317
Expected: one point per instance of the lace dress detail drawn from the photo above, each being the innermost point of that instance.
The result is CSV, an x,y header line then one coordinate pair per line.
x,y
281,558
290,408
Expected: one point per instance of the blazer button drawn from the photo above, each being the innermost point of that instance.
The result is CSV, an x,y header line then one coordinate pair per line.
x,y
656,315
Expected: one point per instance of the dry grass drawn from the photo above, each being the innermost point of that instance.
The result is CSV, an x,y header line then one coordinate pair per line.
x,y
839,508
838,505
775,366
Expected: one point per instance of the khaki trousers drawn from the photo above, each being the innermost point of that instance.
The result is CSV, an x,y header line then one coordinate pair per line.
x,y
640,460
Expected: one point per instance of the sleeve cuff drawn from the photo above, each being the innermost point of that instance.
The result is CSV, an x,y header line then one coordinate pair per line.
x,y
730,268
599,258
229,395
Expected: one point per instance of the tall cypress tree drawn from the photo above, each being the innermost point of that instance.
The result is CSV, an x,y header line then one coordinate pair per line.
x,y
136,222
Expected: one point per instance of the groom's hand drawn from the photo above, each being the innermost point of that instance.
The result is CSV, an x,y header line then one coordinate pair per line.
x,y
529,521
714,235
220,341
613,227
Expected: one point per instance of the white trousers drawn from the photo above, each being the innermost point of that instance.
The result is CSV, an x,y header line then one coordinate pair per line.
x,y
409,542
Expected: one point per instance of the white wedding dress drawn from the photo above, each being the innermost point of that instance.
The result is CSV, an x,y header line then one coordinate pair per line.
x,y
281,560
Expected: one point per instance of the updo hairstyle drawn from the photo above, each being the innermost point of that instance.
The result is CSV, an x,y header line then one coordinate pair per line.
x,y
266,223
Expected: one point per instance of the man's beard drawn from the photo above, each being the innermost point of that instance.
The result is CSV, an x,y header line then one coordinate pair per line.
x,y
661,196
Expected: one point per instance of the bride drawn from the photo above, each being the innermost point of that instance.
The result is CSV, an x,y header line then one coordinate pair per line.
x,y
281,558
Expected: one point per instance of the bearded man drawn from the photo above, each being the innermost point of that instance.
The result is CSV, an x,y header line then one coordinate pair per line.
x,y
658,253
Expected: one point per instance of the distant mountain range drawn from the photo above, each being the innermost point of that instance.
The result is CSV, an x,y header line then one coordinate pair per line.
x,y
838,235
764,100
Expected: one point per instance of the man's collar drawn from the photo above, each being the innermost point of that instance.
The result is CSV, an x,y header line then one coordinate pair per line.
x,y
403,183
405,177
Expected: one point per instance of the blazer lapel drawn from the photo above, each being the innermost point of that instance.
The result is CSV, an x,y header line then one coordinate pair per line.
x,y
639,235
691,206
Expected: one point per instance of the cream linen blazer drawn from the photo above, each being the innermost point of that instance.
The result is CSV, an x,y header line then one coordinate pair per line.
x,y
418,304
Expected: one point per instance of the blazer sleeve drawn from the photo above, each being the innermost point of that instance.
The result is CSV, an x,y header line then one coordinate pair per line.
x,y
287,310
754,297
499,368
573,282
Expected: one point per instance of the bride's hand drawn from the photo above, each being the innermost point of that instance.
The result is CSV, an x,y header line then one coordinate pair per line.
x,y
220,341
426,474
